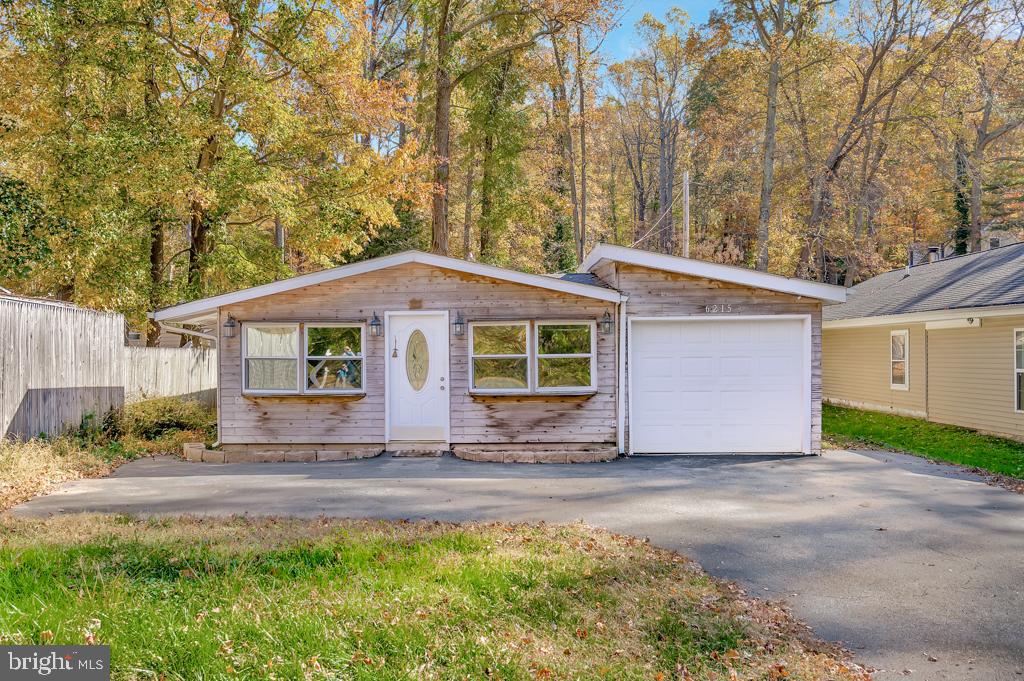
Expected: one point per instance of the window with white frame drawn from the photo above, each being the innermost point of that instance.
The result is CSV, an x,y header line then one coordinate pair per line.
x,y
334,358
565,356
295,358
271,358
524,357
499,357
1018,366
899,343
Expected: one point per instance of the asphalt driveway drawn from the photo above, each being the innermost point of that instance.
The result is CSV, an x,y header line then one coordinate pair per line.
x,y
916,567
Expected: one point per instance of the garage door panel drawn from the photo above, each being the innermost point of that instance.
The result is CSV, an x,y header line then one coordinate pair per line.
x,y
781,368
735,366
718,386
697,366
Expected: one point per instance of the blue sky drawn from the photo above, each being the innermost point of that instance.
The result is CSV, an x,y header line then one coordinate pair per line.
x,y
621,40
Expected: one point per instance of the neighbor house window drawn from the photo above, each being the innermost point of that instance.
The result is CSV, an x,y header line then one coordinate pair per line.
x,y
499,357
898,344
334,358
1018,365
271,358
565,356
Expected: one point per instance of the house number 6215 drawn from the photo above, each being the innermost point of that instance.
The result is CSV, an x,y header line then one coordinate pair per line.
x,y
712,309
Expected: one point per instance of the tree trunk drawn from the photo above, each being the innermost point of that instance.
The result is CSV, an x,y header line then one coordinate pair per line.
x,y
568,148
768,166
156,272
442,136
487,200
961,198
151,99
442,123
666,183
279,239
976,191
467,221
582,245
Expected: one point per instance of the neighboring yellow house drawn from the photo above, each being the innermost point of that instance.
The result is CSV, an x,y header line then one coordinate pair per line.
x,y
942,341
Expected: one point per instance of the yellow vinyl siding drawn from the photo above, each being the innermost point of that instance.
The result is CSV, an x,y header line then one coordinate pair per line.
x,y
855,369
970,377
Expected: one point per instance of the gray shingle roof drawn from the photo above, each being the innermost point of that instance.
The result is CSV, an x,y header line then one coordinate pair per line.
x,y
582,278
992,277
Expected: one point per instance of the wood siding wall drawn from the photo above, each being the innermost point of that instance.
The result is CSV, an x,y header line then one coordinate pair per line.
x,y
655,293
360,419
856,369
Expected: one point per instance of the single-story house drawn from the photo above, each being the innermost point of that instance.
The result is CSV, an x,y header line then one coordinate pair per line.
x,y
638,352
942,341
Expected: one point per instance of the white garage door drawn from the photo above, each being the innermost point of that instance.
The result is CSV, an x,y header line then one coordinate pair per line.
x,y
711,385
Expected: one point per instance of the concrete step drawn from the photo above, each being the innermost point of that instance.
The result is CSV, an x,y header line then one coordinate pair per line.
x,y
417,449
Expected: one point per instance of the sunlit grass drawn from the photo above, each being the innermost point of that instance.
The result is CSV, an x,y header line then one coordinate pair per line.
x,y
931,440
244,598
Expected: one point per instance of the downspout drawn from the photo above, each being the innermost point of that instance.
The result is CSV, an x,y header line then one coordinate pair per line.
x,y
621,377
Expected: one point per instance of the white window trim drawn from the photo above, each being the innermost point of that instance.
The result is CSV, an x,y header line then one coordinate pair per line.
x,y
245,358
906,359
537,355
1016,371
529,353
304,371
300,358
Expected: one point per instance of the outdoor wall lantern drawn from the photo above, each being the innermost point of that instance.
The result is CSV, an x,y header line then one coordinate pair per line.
x,y
230,326
375,326
606,324
459,325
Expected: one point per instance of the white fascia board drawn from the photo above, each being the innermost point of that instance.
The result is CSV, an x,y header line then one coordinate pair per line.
x,y
200,308
712,270
929,316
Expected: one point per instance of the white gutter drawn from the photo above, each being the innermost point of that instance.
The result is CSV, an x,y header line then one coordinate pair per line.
x,y
930,316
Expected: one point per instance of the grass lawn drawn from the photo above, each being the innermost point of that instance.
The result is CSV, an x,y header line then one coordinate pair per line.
x,y
931,440
188,598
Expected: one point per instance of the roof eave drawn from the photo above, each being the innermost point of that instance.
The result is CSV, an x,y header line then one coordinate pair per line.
x,y
197,309
828,293
927,316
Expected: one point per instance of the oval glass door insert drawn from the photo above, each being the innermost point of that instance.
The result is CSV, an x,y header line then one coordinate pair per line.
x,y
417,360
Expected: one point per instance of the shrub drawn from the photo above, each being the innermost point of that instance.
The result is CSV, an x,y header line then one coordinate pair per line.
x,y
153,419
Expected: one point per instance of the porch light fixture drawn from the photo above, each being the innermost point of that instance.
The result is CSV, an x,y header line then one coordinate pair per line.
x,y
607,324
230,326
375,326
459,325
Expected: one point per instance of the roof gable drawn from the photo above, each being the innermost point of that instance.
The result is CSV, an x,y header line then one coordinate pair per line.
x,y
982,279
199,309
711,270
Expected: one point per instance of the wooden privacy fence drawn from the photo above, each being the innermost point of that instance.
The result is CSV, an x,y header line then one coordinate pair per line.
x,y
59,362
157,372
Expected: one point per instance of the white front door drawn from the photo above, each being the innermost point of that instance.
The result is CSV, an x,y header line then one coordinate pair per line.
x,y
719,385
417,376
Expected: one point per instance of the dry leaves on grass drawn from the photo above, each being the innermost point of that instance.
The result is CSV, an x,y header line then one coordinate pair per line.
x,y
30,468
